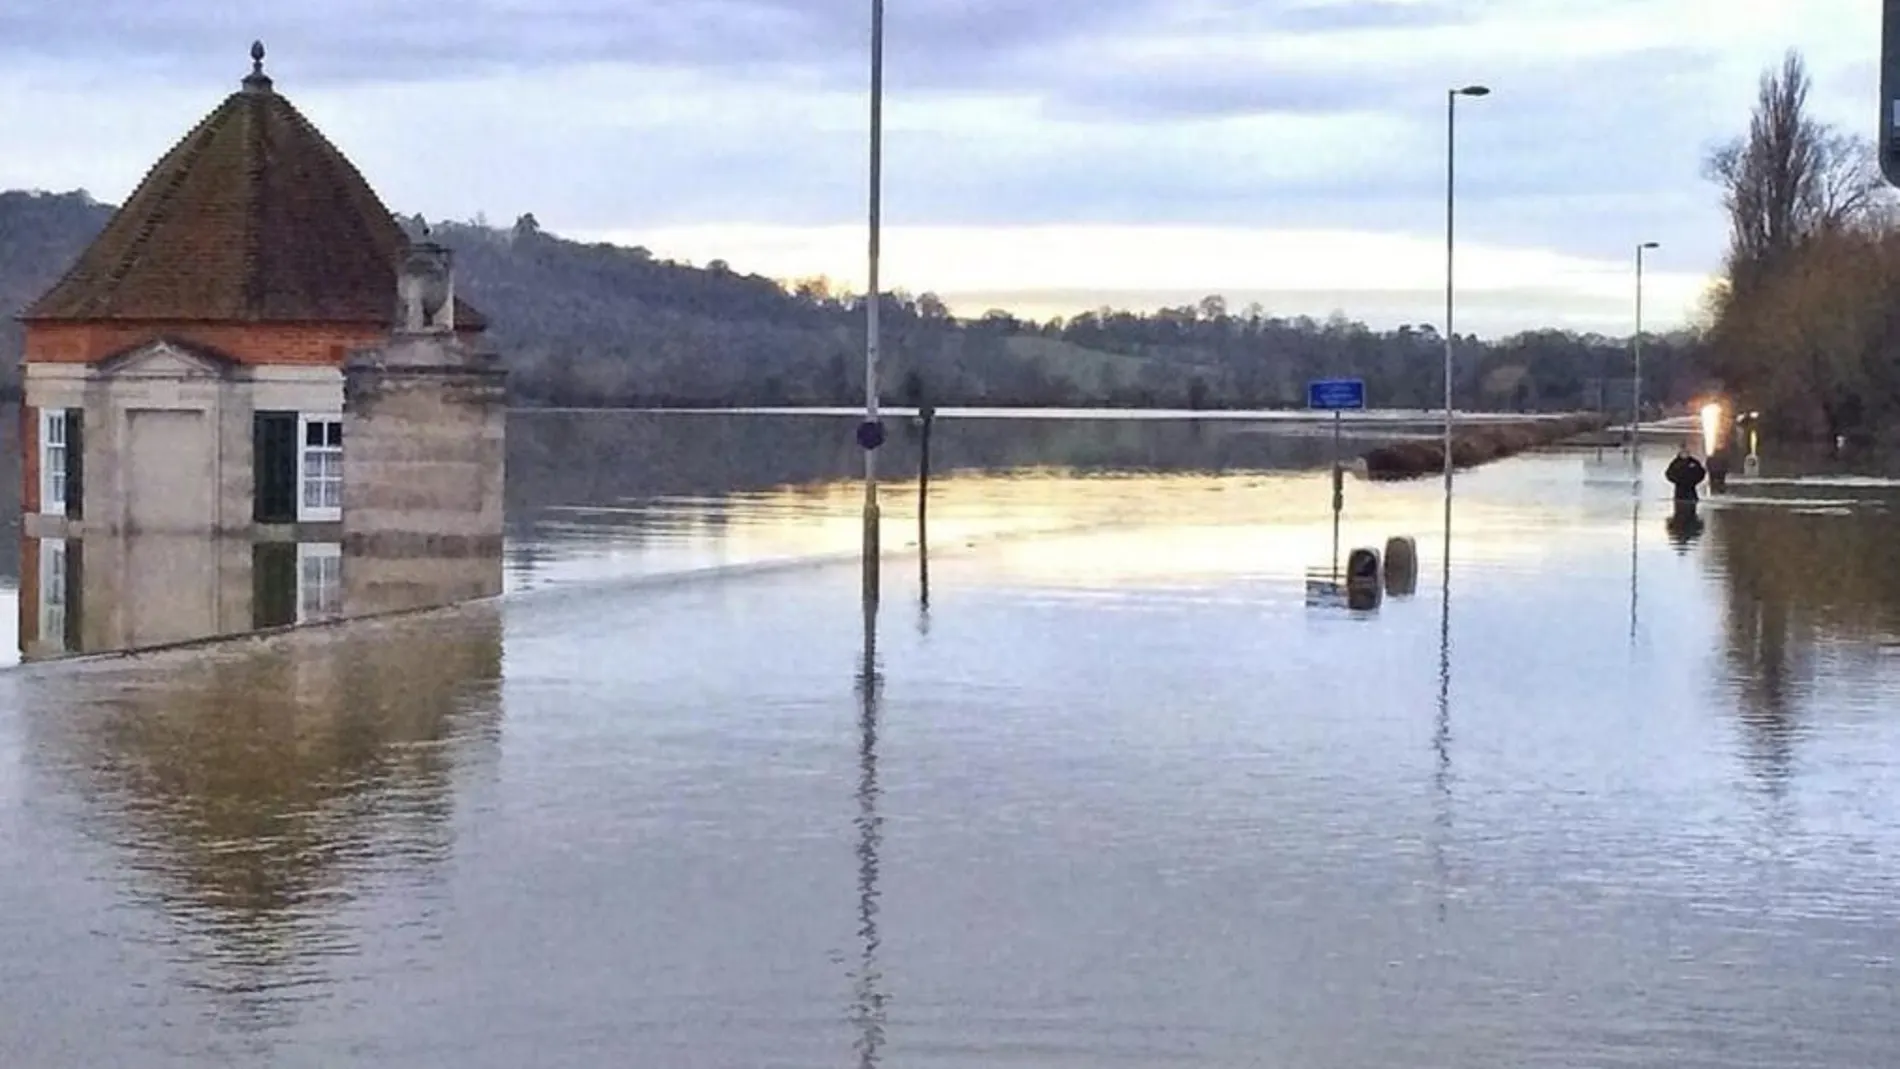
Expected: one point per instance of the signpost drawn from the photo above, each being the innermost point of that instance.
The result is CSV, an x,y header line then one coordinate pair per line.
x,y
1338,396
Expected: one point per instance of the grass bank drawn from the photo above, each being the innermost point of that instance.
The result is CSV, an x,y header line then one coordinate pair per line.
x,y
1474,445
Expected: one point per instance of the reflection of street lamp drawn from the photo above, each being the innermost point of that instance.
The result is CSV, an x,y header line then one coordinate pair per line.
x,y
1636,377
1451,177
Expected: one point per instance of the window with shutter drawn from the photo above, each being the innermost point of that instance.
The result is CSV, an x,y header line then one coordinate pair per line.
x,y
274,471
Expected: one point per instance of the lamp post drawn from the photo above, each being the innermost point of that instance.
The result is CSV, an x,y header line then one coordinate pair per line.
x,y
871,432
1451,176
1636,344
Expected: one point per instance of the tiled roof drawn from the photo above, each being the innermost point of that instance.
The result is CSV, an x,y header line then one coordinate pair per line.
x,y
254,216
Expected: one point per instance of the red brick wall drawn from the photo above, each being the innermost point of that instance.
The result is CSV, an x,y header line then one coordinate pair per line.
x,y
29,599
303,344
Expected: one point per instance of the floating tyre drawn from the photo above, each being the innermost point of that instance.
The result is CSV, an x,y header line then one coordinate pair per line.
x,y
1364,589
1401,566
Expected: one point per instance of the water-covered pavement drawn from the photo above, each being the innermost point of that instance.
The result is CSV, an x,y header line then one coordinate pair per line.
x,y
1116,795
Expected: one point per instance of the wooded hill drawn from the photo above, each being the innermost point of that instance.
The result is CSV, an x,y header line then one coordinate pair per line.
x,y
599,324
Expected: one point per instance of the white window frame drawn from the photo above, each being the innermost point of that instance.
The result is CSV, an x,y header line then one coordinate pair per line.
x,y
53,593
54,475
319,581
306,454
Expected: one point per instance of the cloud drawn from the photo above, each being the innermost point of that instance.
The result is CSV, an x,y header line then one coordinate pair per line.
x,y
1251,116
351,41
1335,15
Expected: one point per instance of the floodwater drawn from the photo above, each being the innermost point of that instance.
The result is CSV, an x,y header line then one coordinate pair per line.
x,y
1626,793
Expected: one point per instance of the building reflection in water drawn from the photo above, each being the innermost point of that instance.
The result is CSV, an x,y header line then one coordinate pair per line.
x,y
260,792
109,592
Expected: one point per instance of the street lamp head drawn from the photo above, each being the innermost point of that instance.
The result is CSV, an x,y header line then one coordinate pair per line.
x,y
1473,91
1649,245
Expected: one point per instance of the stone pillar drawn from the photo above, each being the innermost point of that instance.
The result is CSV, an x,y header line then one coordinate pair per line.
x,y
424,425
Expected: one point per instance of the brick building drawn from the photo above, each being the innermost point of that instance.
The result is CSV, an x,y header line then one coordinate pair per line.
x,y
186,376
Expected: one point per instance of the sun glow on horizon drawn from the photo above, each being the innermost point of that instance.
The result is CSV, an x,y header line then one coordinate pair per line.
x,y
1039,272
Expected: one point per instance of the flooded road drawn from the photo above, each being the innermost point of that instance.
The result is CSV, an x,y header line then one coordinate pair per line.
x,y
1628,793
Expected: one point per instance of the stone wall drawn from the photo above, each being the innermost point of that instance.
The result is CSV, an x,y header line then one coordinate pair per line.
x,y
424,426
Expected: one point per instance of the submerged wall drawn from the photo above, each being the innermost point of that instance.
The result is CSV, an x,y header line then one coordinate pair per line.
x,y
1472,446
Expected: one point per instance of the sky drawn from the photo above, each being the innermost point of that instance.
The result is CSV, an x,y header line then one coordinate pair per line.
x,y
1040,156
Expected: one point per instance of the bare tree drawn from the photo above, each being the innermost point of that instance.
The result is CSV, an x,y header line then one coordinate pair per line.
x,y
1790,178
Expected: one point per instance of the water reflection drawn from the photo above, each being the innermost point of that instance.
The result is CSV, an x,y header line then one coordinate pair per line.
x,y
1151,812
1636,519
665,478
1812,601
660,455
1684,525
1824,557
867,1010
259,795
1441,727
111,592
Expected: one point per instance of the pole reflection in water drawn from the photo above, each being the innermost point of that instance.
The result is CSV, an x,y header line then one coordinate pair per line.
x,y
1636,516
868,1004
1441,735
926,418
923,589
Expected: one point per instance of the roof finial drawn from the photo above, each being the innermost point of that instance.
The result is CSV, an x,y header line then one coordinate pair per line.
x,y
257,80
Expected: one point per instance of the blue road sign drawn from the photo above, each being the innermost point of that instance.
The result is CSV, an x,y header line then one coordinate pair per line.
x,y
1336,395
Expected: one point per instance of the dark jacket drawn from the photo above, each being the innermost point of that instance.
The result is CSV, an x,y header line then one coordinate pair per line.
x,y
1686,473
1718,472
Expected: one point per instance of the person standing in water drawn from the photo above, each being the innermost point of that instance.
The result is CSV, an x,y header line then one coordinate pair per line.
x,y
1685,473
1718,471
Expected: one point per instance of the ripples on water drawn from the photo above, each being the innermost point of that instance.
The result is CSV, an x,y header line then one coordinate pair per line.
x,y
1116,796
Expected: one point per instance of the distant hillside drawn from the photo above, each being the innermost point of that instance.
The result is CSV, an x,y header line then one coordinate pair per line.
x,y
598,324
40,236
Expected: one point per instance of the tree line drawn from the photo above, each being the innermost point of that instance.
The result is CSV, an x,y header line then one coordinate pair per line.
x,y
605,325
